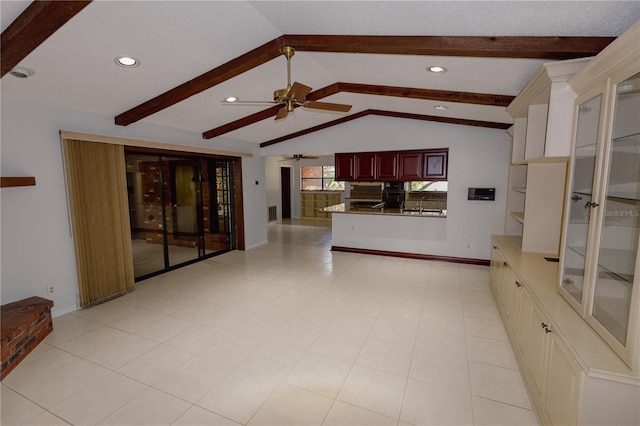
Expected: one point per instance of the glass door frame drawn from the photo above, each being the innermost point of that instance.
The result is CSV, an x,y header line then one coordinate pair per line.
x,y
234,209
601,183
608,90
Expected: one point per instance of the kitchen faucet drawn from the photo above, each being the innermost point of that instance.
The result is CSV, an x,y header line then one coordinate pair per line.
x,y
421,200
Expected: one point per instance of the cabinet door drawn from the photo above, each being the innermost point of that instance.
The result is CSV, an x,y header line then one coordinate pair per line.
x,y
435,165
365,166
561,407
577,228
511,300
345,169
387,166
495,266
536,358
615,296
411,166
522,317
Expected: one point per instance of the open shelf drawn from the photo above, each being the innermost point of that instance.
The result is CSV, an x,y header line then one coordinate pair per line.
x,y
519,216
7,182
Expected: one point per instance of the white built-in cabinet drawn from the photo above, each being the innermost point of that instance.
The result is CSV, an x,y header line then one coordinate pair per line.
x,y
539,152
599,274
573,376
574,324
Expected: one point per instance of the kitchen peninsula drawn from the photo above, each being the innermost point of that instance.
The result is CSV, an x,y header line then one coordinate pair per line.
x,y
357,208
407,230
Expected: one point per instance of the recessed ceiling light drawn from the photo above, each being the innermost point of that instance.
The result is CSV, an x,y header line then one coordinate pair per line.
x,y
436,69
441,107
127,61
21,72
231,99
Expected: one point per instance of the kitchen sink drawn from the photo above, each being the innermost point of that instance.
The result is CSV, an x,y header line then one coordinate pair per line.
x,y
422,211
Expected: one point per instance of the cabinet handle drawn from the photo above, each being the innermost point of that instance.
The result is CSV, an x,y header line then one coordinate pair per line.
x,y
505,264
495,247
545,327
590,204
518,284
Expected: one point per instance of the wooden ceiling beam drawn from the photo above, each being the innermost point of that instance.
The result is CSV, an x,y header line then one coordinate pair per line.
x,y
38,21
370,89
490,47
459,121
448,120
224,72
470,46
428,94
315,128
242,122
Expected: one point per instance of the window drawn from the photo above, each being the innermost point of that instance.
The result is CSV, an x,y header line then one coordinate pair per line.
x,y
429,186
431,195
320,178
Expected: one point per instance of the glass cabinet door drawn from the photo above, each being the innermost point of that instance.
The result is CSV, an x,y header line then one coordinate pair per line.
x,y
620,229
573,271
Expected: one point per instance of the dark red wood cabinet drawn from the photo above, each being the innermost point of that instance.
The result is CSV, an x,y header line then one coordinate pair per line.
x,y
411,166
402,166
366,166
345,167
435,165
387,166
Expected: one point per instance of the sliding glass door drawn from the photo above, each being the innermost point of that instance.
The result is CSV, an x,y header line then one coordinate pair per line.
x,y
180,210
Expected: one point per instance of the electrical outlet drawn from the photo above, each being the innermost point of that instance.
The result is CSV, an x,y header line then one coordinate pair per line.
x,y
50,289
469,245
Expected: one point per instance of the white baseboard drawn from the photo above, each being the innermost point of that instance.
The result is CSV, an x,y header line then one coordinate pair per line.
x,y
62,311
252,246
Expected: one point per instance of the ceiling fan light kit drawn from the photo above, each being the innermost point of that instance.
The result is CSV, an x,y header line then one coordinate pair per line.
x,y
292,96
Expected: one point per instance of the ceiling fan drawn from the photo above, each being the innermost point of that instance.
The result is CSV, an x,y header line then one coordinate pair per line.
x,y
293,95
298,157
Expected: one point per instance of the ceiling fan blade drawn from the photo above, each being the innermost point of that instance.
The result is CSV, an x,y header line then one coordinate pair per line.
x,y
298,91
327,106
282,113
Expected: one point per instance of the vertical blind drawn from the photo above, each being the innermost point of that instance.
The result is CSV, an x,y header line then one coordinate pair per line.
x,y
97,188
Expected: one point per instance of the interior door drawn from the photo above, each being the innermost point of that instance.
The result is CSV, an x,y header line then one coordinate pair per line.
x,y
285,183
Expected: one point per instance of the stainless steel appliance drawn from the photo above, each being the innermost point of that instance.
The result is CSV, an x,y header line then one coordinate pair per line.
x,y
393,194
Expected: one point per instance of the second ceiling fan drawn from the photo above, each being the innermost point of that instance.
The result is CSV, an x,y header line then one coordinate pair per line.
x,y
293,95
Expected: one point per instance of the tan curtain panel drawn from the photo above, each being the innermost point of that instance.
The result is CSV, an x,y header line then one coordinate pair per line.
x,y
97,188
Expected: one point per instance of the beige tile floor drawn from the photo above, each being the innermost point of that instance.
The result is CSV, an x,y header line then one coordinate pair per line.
x,y
288,333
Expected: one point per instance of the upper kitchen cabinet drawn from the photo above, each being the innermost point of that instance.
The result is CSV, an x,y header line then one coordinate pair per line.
x,y
398,166
411,166
541,141
365,166
345,167
599,258
435,165
387,165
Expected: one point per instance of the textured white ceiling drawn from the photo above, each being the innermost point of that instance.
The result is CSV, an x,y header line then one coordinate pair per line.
x,y
179,40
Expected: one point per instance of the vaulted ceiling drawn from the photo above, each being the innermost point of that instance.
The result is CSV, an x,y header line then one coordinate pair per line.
x,y
369,54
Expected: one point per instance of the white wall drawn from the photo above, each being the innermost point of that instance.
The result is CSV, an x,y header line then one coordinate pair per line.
x,y
478,157
36,247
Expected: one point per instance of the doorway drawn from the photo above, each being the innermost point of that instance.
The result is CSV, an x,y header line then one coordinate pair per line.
x,y
285,190
181,210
